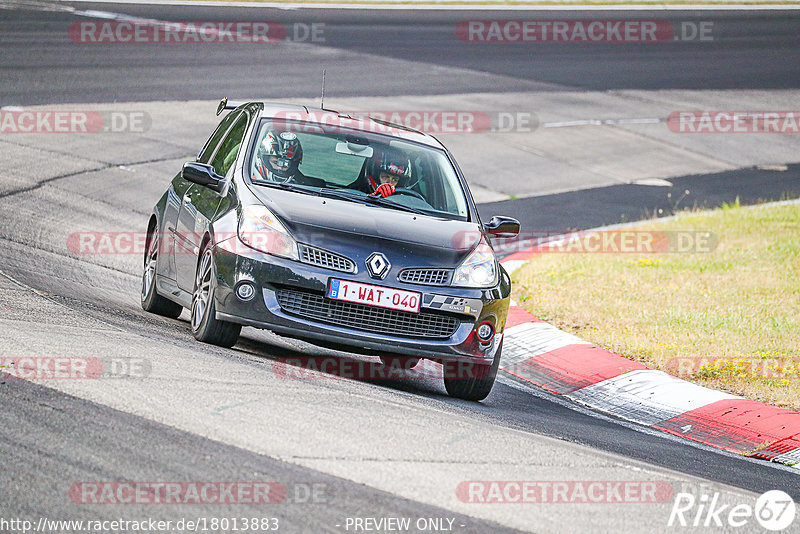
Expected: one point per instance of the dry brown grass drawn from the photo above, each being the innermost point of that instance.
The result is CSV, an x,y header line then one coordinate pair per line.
x,y
729,319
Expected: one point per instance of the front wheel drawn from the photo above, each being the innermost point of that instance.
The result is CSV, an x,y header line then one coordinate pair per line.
x,y
468,381
205,325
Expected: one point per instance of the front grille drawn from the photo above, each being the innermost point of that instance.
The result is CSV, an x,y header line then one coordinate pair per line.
x,y
323,258
366,318
426,277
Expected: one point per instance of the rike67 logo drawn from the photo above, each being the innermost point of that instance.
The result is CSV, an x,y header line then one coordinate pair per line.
x,y
774,511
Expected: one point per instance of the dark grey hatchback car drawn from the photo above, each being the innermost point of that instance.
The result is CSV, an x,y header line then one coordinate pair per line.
x,y
344,231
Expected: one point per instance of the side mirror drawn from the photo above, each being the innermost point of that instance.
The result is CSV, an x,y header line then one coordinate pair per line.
x,y
202,174
501,226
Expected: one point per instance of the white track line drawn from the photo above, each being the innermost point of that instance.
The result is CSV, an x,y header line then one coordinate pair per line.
x,y
601,122
460,7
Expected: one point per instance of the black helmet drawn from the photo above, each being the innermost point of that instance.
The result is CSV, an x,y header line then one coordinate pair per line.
x,y
286,147
395,163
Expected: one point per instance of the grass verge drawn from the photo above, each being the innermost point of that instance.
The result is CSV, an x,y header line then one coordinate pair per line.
x,y
728,319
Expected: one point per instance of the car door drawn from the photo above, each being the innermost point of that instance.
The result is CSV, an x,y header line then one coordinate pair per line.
x,y
200,203
176,195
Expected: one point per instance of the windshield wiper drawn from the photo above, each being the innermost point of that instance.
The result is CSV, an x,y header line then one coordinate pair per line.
x,y
368,200
390,204
286,186
338,193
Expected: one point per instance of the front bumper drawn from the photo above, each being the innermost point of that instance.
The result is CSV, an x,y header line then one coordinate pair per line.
x,y
270,274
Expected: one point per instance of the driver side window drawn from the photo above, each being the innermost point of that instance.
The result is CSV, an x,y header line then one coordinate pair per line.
x,y
213,141
229,148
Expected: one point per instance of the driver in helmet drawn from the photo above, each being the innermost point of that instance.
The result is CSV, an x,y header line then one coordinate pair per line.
x,y
279,157
393,168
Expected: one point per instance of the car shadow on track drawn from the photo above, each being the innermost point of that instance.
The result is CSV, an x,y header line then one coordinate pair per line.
x,y
298,360
293,359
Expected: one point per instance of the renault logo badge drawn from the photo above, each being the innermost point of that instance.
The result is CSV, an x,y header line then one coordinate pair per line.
x,y
378,266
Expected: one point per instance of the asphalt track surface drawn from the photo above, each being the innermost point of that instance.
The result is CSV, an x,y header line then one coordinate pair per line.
x,y
750,50
387,53
603,206
49,439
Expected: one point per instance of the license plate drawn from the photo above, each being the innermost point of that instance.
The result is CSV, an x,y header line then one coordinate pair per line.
x,y
384,297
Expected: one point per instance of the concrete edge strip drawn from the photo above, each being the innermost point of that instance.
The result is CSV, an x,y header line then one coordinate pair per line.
x,y
539,353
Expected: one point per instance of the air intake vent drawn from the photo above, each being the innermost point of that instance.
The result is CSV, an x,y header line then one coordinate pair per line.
x,y
328,260
426,277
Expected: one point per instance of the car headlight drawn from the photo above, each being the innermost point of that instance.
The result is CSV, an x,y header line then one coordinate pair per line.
x,y
261,230
478,270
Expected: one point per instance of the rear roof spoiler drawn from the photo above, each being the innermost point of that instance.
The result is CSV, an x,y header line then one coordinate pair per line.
x,y
225,104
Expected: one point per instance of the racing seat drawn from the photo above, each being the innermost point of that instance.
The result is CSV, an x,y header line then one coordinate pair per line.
x,y
368,168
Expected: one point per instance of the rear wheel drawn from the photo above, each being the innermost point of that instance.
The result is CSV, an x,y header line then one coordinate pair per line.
x,y
205,325
151,301
468,381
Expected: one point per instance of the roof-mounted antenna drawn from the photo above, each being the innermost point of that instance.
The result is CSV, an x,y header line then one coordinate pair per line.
x,y
322,99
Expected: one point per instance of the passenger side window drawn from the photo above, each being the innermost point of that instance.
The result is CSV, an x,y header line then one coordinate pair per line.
x,y
213,141
229,148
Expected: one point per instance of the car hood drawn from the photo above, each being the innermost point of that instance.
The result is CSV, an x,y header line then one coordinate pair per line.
x,y
333,224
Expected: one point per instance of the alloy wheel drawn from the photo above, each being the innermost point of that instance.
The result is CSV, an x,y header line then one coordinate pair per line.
x,y
202,291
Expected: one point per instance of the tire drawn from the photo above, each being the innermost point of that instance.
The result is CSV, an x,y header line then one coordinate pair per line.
x,y
205,326
403,362
151,301
477,385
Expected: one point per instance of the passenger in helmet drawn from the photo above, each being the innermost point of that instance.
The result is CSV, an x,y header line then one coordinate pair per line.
x,y
393,171
279,157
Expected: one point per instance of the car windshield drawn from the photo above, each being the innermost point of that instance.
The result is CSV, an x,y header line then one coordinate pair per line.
x,y
350,164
